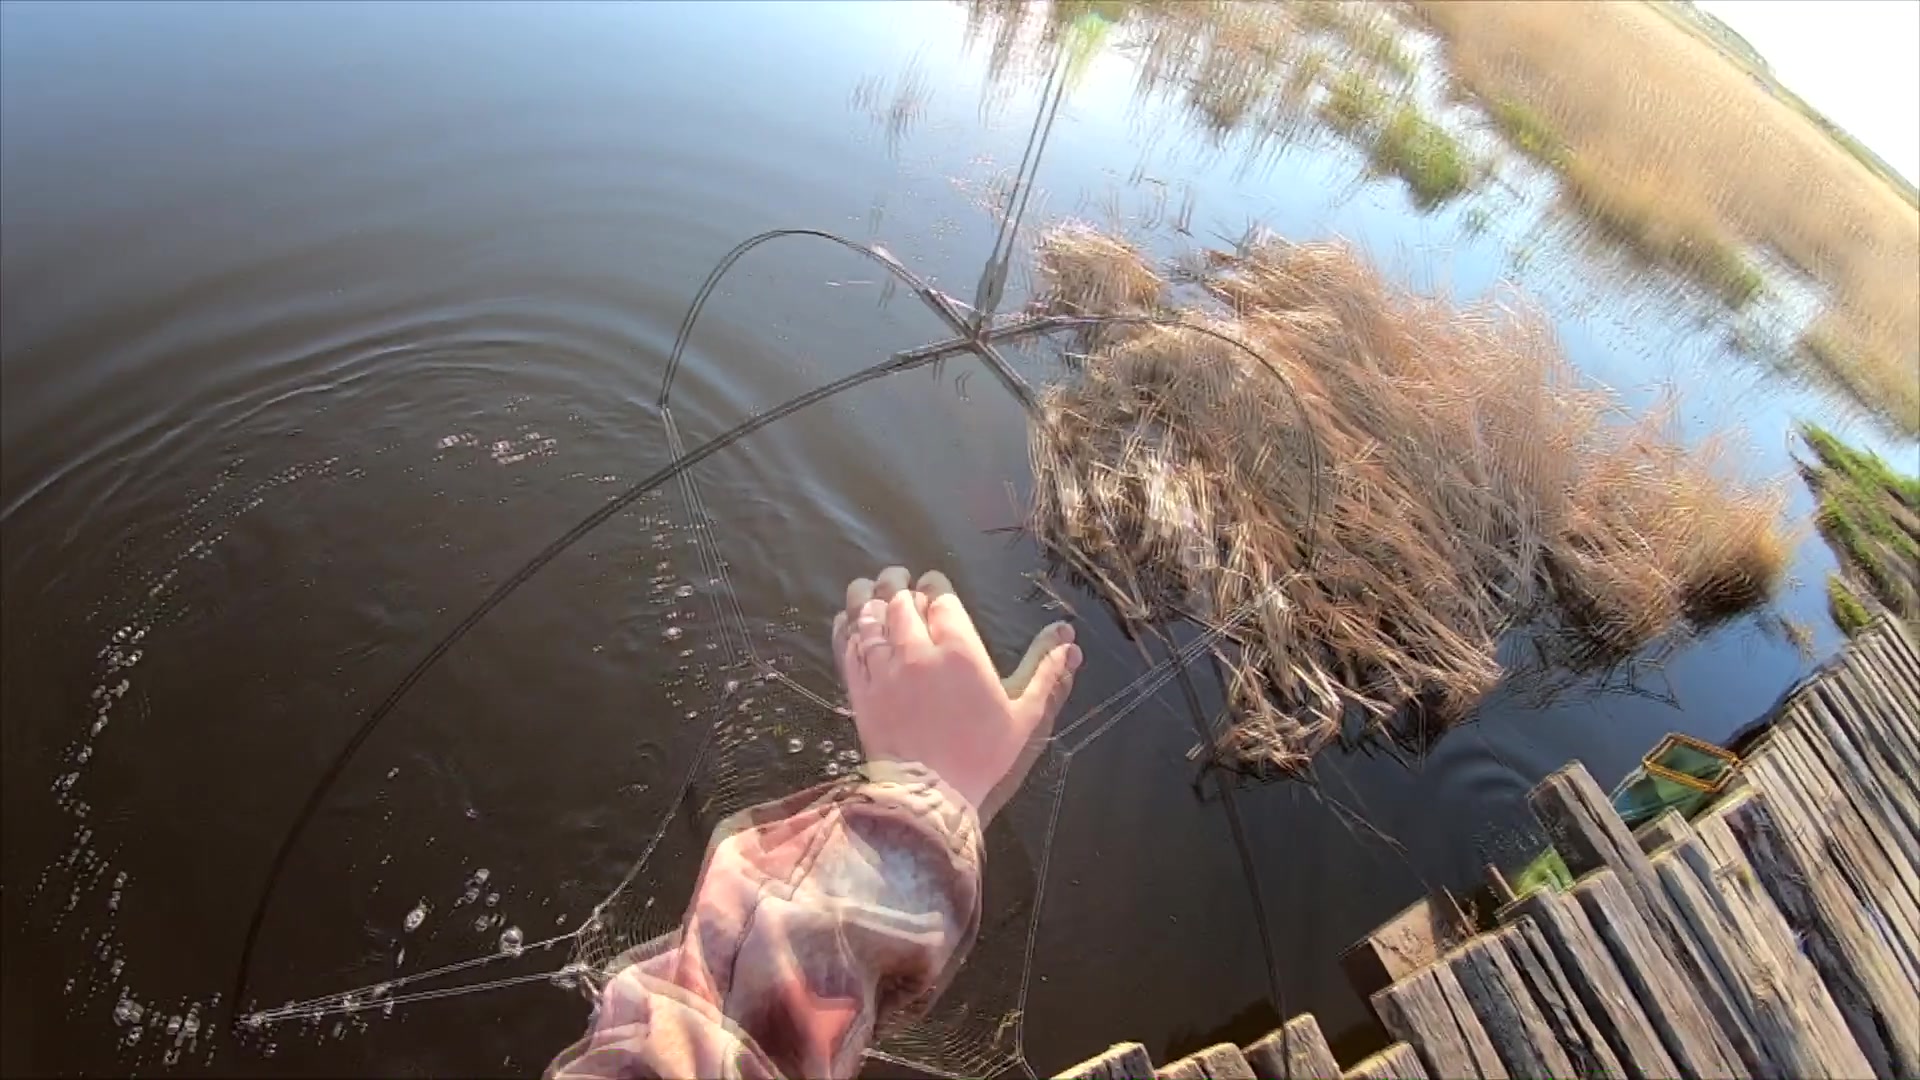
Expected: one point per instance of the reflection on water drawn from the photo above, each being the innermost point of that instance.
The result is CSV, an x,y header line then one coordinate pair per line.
x,y
320,320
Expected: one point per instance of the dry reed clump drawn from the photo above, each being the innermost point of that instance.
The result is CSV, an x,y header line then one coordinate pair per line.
x,y
1466,484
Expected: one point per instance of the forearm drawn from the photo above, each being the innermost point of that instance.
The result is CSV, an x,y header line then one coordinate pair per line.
x,y
818,920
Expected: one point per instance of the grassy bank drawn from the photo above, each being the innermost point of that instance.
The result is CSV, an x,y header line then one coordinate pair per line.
x,y
1673,144
1870,515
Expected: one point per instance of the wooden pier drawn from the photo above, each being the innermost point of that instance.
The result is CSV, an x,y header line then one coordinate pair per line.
x,y
1777,934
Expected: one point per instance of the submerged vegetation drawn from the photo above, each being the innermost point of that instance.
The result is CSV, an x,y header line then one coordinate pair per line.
x,y
1369,516
1870,515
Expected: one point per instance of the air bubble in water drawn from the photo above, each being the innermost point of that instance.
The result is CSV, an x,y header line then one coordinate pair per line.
x,y
511,941
832,769
481,875
673,633
683,591
480,924
826,746
493,899
417,916
850,756
795,745
127,1012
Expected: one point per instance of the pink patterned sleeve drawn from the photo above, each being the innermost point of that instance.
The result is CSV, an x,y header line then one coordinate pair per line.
x,y
818,920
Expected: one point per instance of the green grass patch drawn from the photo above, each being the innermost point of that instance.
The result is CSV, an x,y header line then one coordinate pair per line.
x,y
1870,515
1354,103
1849,614
1864,467
1528,132
1423,154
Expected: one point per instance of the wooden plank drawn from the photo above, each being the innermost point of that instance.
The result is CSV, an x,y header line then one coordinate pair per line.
x,y
1879,1008
1835,769
1865,715
1903,689
1590,835
1901,682
1803,784
1428,1011
1396,1062
1895,634
1791,1028
1686,1026
1418,936
1661,831
1121,1061
1853,723
1884,731
1579,1037
1596,980
1754,919
1900,648
1221,1061
1500,999
1298,1051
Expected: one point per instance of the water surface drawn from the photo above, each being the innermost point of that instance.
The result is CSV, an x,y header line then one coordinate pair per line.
x,y
319,320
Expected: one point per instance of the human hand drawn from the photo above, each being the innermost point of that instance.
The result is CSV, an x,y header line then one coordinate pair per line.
x,y
924,689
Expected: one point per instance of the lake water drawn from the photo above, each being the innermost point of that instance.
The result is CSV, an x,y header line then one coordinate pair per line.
x,y
317,321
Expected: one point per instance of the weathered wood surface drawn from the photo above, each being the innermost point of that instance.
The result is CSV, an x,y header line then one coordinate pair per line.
x,y
1121,1061
1298,1051
1591,836
1396,1062
1836,930
1879,736
1686,1025
1755,920
1661,831
1506,1009
1419,935
1222,1061
1792,1027
1879,663
1598,983
1578,1037
1429,1012
1863,780
1799,784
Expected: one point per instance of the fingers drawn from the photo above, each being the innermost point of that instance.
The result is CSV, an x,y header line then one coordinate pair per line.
x,y
859,591
1046,692
1050,637
933,583
869,645
947,618
892,580
905,629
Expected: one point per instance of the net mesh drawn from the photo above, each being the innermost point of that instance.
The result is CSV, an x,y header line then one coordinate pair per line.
x,y
774,729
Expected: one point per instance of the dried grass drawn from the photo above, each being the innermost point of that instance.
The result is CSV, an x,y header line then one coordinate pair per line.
x,y
1468,484
1688,156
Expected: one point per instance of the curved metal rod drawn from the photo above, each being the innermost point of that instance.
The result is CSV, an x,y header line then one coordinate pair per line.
x,y
885,258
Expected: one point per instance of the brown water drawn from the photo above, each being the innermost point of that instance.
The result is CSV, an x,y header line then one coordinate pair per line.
x,y
316,322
